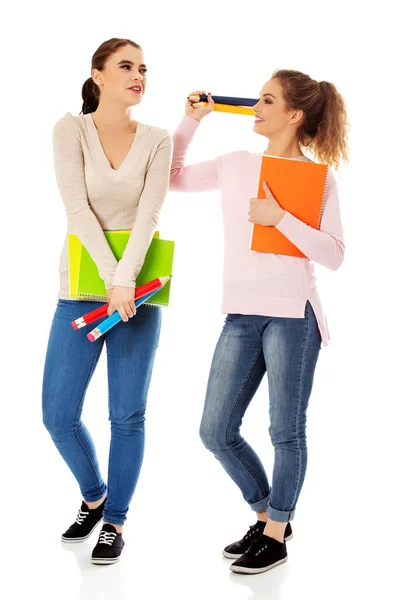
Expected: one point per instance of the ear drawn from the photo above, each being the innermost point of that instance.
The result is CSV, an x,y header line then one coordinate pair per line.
x,y
297,117
96,76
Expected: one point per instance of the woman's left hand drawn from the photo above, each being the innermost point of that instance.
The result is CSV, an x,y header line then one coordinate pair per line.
x,y
265,212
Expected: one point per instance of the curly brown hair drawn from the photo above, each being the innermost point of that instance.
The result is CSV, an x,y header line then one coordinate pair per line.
x,y
324,128
90,91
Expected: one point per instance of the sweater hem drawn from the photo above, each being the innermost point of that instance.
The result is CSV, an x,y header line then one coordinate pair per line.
x,y
289,308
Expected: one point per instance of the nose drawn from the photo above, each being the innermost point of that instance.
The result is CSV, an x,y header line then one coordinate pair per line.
x,y
137,75
256,105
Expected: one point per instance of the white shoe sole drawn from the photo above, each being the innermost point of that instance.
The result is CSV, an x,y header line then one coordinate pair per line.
x,y
81,539
229,555
248,571
105,561
236,556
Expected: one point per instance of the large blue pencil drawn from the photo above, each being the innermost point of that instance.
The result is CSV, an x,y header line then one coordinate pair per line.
x,y
114,319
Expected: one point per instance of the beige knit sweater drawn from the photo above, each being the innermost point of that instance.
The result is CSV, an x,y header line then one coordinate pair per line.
x,y
99,198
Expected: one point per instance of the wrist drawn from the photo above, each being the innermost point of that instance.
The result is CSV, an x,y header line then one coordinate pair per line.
x,y
281,215
195,118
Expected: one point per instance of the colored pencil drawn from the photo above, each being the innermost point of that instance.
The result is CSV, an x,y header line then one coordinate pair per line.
x,y
114,319
238,110
100,312
232,101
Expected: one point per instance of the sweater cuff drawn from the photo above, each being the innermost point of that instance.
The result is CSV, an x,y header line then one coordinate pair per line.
x,y
190,125
288,224
124,281
109,280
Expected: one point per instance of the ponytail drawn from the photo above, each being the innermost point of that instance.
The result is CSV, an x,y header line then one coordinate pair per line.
x,y
90,96
324,128
330,143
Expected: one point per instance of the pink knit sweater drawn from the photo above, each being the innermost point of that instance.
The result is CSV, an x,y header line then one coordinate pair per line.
x,y
258,283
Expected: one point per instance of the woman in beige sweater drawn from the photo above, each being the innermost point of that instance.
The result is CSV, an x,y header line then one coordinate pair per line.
x,y
112,173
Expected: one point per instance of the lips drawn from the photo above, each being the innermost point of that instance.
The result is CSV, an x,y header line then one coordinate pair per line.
x,y
259,120
137,89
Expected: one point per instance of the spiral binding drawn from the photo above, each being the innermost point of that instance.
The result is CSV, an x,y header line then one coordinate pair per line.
x,y
324,198
87,296
96,298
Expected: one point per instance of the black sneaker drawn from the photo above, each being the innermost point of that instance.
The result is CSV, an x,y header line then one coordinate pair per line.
x,y
109,547
236,549
263,554
86,521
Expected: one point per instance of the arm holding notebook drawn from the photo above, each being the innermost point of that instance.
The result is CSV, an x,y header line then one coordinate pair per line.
x,y
150,204
70,176
265,212
324,245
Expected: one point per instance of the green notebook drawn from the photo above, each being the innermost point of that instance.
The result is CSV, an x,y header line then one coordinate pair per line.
x,y
158,263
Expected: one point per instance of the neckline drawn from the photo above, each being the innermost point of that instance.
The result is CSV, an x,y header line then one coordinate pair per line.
x,y
299,157
101,149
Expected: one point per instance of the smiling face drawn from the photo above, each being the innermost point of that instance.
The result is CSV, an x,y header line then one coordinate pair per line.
x,y
273,117
123,78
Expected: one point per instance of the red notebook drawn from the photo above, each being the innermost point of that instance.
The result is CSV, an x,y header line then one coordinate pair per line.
x,y
299,188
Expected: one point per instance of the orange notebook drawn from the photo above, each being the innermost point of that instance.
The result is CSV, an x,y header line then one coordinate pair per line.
x,y
299,188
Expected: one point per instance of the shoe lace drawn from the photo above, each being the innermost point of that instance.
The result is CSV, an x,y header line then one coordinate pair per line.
x,y
253,529
257,547
81,516
107,537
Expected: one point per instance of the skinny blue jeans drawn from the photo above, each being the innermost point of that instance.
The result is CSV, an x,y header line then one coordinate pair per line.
x,y
287,350
69,365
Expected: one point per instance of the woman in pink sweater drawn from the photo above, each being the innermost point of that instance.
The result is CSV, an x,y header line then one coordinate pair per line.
x,y
275,323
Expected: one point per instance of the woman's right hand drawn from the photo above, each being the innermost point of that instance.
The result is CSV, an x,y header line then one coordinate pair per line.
x,y
121,299
195,109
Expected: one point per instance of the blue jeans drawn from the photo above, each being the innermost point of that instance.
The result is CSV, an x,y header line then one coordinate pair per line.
x,y
70,362
287,350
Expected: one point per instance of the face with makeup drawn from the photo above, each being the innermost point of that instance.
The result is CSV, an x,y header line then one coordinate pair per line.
x,y
123,78
273,118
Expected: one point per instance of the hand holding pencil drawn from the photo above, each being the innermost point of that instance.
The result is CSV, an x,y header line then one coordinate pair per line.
x,y
102,311
115,318
122,299
196,109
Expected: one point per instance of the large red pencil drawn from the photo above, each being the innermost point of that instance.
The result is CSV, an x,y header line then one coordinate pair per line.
x,y
100,312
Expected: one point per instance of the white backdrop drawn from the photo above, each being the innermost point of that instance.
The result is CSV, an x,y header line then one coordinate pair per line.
x,y
186,509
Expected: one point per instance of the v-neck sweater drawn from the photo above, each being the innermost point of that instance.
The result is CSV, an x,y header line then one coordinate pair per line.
x,y
260,283
98,198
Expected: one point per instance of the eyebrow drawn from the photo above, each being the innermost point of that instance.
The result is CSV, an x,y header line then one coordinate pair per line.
x,y
269,95
128,62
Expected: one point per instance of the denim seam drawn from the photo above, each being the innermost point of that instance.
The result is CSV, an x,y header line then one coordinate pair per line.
x,y
109,451
94,363
105,513
300,387
256,326
230,422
